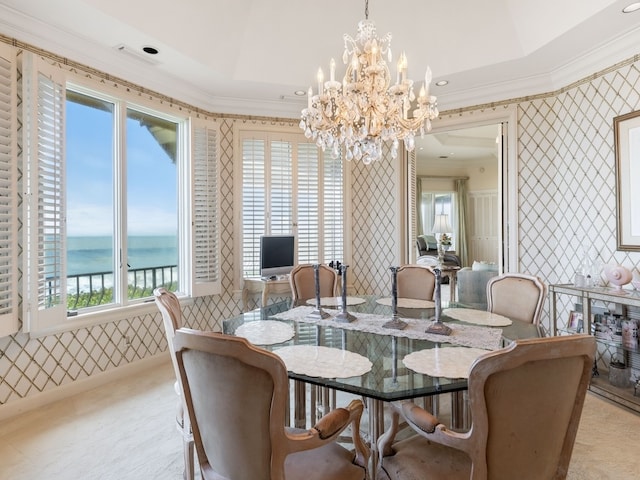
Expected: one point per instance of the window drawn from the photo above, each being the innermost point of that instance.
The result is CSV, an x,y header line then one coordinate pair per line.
x,y
152,203
89,169
290,187
123,199
94,238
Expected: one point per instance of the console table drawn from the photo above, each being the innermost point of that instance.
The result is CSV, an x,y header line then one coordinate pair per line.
x,y
265,287
452,274
607,349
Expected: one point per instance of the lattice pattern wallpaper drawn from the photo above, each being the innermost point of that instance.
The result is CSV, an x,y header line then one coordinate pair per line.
x,y
567,176
566,200
374,215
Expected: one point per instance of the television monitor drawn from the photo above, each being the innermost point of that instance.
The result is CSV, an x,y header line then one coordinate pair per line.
x,y
277,255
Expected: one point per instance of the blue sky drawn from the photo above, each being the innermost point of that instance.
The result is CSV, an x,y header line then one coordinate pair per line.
x,y
152,177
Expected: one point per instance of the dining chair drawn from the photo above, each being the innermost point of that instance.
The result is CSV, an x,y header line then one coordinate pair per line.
x,y
517,296
236,395
526,400
303,287
169,307
303,282
415,281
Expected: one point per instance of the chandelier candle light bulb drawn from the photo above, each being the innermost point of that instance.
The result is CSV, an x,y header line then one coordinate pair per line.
x,y
366,110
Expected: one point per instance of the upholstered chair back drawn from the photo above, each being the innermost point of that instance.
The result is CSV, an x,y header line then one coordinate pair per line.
x,y
533,397
236,406
416,282
517,296
303,284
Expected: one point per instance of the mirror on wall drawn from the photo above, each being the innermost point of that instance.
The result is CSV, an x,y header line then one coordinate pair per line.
x,y
447,159
627,152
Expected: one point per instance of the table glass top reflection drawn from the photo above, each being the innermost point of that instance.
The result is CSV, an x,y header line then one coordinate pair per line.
x,y
388,378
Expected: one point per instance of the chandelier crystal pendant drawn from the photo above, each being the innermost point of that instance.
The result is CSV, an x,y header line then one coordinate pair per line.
x,y
366,109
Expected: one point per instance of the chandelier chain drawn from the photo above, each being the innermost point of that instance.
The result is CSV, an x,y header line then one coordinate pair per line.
x,y
366,9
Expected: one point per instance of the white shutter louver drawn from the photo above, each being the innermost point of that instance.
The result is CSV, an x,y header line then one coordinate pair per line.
x,y
206,239
333,209
44,108
308,209
253,204
281,189
8,192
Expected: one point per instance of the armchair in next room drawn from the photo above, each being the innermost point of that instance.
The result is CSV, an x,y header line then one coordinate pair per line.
x,y
427,246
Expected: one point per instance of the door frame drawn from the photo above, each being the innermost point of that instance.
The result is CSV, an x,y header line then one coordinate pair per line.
x,y
507,179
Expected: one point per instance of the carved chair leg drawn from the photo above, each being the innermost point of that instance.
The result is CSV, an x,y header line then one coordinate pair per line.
x,y
188,459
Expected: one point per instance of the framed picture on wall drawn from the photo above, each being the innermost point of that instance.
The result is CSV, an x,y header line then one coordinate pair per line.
x,y
575,322
626,130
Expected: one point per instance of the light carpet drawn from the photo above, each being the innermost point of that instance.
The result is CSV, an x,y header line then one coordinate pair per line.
x,y
125,431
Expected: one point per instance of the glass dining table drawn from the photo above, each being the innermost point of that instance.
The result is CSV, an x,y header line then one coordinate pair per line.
x,y
361,357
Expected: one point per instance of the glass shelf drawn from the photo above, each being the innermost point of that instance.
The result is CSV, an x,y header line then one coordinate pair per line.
x,y
608,349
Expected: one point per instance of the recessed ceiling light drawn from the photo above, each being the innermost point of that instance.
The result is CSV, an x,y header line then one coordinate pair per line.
x,y
300,93
442,83
150,50
632,7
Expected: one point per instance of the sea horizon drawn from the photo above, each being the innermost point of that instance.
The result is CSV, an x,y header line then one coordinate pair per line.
x,y
94,254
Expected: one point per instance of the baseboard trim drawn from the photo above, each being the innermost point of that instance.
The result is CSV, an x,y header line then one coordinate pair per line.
x,y
18,407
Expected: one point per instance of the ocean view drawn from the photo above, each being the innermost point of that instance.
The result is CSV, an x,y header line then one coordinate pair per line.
x,y
95,254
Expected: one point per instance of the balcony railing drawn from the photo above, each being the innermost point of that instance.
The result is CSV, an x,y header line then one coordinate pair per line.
x,y
91,289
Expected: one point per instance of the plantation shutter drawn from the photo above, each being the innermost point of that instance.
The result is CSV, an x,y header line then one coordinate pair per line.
x,y
206,212
280,208
333,209
8,193
288,188
308,208
253,203
43,150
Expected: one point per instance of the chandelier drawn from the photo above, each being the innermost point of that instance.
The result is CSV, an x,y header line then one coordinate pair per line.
x,y
366,109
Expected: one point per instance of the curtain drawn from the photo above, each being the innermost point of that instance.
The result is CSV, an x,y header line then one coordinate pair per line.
x,y
428,212
461,221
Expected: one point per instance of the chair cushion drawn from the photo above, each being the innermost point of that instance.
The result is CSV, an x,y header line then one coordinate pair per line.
x,y
328,462
417,458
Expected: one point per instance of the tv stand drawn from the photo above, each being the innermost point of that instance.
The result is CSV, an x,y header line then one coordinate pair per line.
x,y
265,286
274,278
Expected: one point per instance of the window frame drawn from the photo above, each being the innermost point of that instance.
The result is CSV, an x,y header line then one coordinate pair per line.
x,y
293,134
190,286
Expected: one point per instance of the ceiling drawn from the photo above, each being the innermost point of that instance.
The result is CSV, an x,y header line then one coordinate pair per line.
x,y
250,56
466,146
